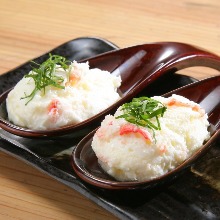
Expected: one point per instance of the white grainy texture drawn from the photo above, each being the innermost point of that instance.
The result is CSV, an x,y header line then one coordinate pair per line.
x,y
131,157
88,92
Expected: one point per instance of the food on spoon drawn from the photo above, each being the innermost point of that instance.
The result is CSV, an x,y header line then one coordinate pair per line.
x,y
148,137
59,92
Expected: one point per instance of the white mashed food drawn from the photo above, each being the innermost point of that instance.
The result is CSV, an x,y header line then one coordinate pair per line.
x,y
86,93
136,155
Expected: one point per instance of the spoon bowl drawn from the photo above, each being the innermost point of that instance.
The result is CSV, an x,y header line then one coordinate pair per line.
x,y
138,67
205,92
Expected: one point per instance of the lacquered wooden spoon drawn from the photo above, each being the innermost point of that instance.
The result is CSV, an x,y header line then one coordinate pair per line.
x,y
138,67
205,92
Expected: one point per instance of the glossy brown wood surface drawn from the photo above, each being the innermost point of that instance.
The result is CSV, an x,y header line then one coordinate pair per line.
x,y
31,28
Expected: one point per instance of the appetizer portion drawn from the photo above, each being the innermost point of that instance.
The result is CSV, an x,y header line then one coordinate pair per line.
x,y
59,92
148,137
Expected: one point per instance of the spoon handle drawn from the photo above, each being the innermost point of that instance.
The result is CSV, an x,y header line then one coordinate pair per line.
x,y
159,55
185,56
140,65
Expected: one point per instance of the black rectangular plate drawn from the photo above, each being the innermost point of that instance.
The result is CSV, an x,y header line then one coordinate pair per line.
x,y
193,195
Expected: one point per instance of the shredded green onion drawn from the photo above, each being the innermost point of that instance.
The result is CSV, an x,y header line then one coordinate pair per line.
x,y
43,74
140,110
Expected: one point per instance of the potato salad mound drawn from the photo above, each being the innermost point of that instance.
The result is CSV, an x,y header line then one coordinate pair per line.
x,y
143,141
58,93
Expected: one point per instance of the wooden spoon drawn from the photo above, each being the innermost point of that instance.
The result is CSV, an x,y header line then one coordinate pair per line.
x,y
205,92
138,67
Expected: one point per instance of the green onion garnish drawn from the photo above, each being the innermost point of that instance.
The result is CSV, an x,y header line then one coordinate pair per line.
x,y
140,110
43,74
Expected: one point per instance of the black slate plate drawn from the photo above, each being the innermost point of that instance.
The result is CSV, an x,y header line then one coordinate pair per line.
x,y
189,197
